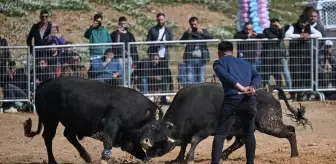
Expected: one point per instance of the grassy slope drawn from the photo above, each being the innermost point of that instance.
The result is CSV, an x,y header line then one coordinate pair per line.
x,y
19,15
74,17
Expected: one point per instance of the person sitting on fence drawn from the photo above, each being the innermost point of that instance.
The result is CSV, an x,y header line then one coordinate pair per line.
x,y
159,77
73,67
327,64
107,69
15,87
54,35
43,71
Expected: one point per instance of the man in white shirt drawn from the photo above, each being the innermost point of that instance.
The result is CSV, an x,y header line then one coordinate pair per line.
x,y
300,54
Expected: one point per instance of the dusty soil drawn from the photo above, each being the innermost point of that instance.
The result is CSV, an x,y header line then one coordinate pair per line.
x,y
315,146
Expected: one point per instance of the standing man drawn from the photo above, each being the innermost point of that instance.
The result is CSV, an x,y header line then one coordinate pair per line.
x,y
196,55
160,33
39,31
123,35
97,33
236,76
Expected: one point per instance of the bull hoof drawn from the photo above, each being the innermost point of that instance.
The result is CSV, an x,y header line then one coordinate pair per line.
x,y
190,162
224,157
103,162
176,161
87,158
294,155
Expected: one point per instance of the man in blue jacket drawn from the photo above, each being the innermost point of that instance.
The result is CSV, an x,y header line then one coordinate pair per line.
x,y
236,75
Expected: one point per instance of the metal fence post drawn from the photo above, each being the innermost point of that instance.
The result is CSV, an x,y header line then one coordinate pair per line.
x,y
129,67
124,65
317,64
34,79
312,64
28,75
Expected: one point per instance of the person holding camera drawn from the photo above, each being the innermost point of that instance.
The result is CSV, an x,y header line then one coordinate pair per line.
x,y
97,34
196,55
123,35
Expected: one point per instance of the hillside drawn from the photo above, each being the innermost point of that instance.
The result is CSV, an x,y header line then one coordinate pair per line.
x,y
74,16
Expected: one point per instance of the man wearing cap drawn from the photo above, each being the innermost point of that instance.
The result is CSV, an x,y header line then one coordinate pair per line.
x,y
326,66
236,75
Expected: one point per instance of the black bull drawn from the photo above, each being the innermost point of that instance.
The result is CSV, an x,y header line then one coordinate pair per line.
x,y
98,110
195,110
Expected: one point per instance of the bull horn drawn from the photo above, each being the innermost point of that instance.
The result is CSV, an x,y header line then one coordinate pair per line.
x,y
171,140
170,124
267,88
157,113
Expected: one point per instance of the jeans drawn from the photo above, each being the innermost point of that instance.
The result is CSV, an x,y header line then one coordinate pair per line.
x,y
143,85
195,71
286,73
245,110
125,70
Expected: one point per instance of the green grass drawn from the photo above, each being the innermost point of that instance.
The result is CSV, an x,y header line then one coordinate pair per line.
x,y
22,7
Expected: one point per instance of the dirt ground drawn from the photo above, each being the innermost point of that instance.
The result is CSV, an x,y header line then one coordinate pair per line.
x,y
315,146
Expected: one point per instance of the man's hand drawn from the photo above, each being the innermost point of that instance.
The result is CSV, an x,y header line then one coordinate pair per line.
x,y
251,91
254,34
199,30
189,30
115,75
278,25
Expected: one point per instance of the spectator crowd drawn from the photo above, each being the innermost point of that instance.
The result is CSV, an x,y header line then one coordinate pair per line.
x,y
153,75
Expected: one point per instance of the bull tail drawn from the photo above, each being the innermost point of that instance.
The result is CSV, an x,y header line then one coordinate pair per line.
x,y
295,115
27,125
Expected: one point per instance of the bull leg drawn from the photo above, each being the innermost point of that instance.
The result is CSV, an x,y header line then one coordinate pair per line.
x,y
181,155
286,131
48,136
195,140
73,140
110,131
238,143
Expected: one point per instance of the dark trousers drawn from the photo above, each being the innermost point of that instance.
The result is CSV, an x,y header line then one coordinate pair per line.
x,y
243,109
271,67
12,92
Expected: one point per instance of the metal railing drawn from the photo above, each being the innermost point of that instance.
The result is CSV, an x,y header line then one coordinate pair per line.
x,y
161,68
15,76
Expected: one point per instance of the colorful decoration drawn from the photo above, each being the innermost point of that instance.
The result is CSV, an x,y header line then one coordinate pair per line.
x,y
255,11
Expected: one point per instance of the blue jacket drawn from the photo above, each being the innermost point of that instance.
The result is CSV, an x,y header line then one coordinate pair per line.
x,y
231,70
105,73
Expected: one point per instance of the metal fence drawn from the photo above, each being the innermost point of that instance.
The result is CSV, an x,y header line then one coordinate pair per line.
x,y
83,60
14,77
287,63
160,69
325,63
164,67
